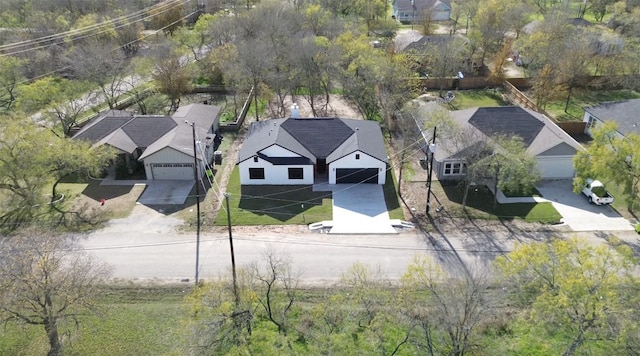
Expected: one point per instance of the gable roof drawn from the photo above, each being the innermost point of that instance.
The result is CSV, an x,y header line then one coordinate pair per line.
x,y
407,5
624,113
181,137
315,138
507,121
426,41
128,132
540,136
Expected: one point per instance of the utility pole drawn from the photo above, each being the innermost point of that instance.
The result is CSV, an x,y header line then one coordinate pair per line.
x,y
233,258
432,150
195,175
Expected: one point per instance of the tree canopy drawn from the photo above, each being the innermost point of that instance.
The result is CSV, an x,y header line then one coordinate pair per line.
x,y
611,157
32,159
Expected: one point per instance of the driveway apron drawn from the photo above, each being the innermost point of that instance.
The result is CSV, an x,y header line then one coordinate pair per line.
x,y
161,192
576,211
360,209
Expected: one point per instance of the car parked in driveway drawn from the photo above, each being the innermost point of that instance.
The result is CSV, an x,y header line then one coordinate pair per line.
x,y
597,194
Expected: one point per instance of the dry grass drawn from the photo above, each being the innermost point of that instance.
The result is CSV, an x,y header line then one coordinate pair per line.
x,y
119,199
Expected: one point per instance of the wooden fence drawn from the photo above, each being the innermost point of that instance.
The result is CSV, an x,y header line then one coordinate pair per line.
x,y
235,126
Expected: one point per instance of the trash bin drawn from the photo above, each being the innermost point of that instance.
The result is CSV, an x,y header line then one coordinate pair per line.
x,y
217,157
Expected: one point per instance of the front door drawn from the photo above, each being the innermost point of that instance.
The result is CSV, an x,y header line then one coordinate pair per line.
x,y
321,166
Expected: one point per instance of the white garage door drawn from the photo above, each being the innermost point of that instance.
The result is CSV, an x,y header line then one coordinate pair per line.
x,y
172,171
556,167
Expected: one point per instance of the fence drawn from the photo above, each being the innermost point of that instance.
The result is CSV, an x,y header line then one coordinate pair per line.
x,y
573,128
520,98
235,126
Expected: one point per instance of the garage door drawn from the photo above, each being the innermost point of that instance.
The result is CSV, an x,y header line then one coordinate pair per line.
x,y
172,171
357,175
556,167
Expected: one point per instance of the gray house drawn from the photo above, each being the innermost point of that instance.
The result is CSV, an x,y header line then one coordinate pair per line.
x,y
414,10
162,144
549,144
625,113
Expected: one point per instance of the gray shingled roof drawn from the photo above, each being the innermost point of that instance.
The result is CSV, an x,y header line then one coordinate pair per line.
x,y
426,41
320,136
145,130
540,135
314,138
625,113
507,121
405,5
181,138
123,130
103,125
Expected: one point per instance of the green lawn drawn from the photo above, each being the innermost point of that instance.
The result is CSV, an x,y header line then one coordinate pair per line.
x,y
480,205
465,99
274,205
582,98
288,204
134,321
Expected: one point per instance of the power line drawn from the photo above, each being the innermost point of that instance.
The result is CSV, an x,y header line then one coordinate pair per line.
x,y
85,32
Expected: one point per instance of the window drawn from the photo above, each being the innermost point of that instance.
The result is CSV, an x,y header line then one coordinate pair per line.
x,y
591,123
256,173
455,168
255,159
296,173
357,156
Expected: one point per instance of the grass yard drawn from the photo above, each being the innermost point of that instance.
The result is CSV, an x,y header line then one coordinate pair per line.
x,y
582,98
620,201
134,321
480,205
274,205
86,194
288,204
476,98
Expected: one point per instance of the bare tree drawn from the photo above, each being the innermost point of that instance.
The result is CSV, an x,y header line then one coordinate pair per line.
x,y
446,308
44,282
171,74
276,286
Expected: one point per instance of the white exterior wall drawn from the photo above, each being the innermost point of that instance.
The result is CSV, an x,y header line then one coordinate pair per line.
x,y
273,175
169,155
365,161
277,151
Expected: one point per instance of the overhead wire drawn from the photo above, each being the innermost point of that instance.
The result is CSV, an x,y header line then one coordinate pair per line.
x,y
86,31
139,39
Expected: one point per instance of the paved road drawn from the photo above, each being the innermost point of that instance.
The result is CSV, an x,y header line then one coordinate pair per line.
x,y
146,245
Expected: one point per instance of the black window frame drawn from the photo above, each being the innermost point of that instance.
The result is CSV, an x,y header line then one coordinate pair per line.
x,y
256,173
298,173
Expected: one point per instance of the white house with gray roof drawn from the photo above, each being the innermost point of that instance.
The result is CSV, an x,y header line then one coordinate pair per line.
x,y
301,151
625,113
162,144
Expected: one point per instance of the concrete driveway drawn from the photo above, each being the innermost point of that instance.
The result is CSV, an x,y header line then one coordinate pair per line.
x,y
576,211
360,209
166,192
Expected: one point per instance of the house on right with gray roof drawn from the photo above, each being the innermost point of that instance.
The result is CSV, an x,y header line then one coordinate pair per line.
x,y
552,147
625,113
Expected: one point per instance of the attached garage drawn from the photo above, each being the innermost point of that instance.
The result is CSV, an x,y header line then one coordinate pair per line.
x,y
357,175
163,171
555,167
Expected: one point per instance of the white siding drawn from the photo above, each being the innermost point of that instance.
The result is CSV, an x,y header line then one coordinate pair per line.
x,y
273,175
555,166
365,161
278,151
